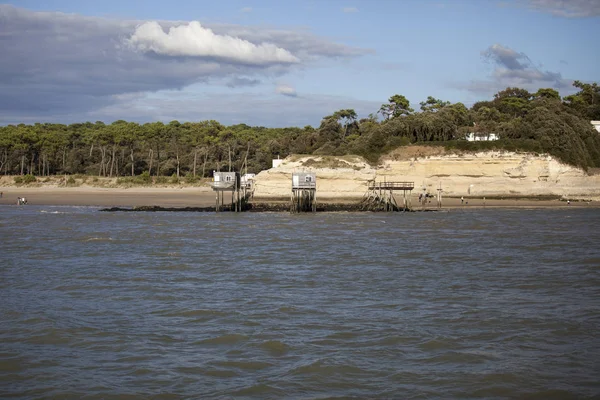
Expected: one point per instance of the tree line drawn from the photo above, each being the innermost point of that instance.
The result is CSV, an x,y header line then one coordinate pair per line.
x,y
540,122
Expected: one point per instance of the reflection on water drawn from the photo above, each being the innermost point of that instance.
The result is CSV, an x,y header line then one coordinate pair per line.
x,y
488,303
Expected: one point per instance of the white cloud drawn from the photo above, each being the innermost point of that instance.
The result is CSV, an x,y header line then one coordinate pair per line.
x,y
194,40
246,10
350,9
286,90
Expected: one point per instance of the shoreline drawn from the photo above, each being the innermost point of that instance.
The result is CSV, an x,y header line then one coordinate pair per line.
x,y
203,197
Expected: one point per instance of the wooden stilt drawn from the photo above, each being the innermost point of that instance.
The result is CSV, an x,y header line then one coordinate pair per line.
x,y
380,196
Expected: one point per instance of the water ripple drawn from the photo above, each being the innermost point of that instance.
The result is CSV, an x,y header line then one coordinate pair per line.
x,y
486,304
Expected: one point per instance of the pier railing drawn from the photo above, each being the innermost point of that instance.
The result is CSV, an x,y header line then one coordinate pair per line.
x,y
391,185
304,185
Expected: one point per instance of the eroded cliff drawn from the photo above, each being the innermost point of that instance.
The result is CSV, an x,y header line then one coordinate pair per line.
x,y
458,174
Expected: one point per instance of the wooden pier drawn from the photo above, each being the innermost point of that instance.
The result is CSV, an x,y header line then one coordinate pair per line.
x,y
380,196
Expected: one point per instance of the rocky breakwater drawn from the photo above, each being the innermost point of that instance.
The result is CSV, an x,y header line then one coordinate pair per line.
x,y
491,174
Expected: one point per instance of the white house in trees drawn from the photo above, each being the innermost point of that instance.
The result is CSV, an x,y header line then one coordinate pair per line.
x,y
596,125
476,137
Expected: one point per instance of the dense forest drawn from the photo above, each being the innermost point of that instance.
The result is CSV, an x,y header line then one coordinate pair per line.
x,y
540,122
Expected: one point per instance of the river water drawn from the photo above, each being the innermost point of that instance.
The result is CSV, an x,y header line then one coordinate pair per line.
x,y
460,304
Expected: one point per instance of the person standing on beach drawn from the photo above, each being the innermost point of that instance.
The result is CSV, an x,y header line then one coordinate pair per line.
x,y
462,200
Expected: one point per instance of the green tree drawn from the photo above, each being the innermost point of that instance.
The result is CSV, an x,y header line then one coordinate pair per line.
x,y
587,101
546,94
397,106
432,104
513,101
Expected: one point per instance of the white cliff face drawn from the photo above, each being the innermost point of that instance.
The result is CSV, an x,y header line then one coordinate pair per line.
x,y
494,173
336,177
476,174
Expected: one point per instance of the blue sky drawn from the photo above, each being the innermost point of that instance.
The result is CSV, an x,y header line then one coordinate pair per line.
x,y
280,63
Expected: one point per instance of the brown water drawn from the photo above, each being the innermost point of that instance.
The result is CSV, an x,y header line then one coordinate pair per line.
x,y
476,304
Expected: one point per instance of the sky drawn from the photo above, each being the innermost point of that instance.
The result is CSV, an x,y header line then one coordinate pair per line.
x,y
281,63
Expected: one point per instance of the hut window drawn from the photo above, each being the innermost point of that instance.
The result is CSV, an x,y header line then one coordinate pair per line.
x,y
308,178
228,178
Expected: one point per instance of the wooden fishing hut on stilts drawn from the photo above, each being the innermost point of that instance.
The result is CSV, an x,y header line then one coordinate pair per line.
x,y
247,186
227,182
380,196
304,192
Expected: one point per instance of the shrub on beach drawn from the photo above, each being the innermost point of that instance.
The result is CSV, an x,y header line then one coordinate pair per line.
x,y
25,179
143,179
71,181
191,179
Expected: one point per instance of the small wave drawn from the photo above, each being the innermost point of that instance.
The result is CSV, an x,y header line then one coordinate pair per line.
x,y
99,239
392,340
220,373
53,212
275,347
343,335
225,339
259,390
454,357
68,288
551,394
437,344
176,267
142,371
245,365
134,359
217,373
49,337
191,313
321,369
288,309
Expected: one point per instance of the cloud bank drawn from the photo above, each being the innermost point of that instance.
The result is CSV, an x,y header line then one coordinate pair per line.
x,y
66,67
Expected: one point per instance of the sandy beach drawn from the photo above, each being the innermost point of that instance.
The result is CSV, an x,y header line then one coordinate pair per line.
x,y
111,197
204,197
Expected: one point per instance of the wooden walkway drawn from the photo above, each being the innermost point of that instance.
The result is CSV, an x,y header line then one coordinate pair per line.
x,y
380,196
391,185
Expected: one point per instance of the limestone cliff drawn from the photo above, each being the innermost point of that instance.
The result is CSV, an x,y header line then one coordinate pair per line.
x,y
459,174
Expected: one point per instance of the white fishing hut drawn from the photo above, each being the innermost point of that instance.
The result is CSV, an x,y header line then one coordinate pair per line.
x,y
304,192
227,182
